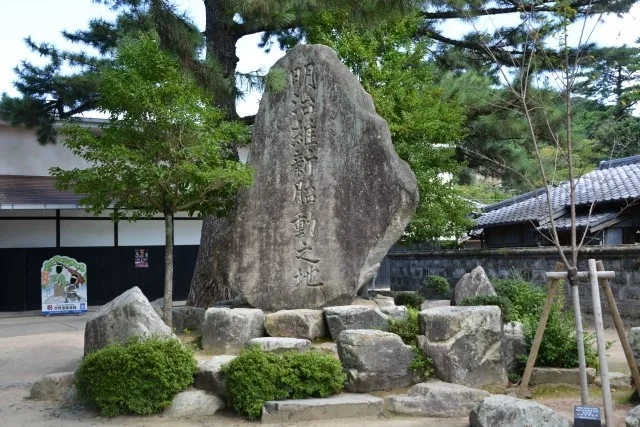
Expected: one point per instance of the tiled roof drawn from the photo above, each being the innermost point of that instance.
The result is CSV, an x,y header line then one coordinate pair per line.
x,y
582,221
614,181
18,191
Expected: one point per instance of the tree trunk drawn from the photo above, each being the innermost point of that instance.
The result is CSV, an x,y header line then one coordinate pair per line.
x,y
221,40
168,269
206,288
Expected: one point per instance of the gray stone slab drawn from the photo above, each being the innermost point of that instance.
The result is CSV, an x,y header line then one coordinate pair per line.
x,y
436,399
194,403
227,331
345,317
280,345
303,323
209,377
329,196
571,376
506,411
339,406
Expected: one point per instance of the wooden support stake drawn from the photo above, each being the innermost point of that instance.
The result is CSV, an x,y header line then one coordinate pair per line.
x,y
602,349
535,346
617,321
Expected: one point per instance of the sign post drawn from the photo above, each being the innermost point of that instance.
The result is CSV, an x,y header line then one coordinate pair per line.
x,y
63,286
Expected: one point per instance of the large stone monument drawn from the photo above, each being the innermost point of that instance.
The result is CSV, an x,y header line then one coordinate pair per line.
x,y
330,195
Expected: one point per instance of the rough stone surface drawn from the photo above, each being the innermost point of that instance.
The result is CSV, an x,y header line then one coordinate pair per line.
x,y
280,345
55,387
634,342
304,323
633,417
354,317
209,377
513,345
435,303
188,318
384,301
507,411
194,403
227,331
329,196
374,360
398,312
616,380
473,284
340,406
129,314
560,376
436,399
465,344
330,348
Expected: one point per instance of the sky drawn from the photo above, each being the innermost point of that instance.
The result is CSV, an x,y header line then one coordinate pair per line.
x,y
43,20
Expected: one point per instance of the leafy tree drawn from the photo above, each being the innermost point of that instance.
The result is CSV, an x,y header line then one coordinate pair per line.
x,y
424,127
161,150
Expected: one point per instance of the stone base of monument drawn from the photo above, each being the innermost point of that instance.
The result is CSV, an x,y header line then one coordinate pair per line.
x,y
339,406
436,399
560,376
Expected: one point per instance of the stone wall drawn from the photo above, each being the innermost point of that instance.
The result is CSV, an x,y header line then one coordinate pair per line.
x,y
409,268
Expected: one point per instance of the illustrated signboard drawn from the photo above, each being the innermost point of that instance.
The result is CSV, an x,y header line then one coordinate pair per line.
x,y
63,283
142,258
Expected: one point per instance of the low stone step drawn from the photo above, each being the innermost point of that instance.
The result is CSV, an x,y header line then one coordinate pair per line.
x,y
339,406
560,376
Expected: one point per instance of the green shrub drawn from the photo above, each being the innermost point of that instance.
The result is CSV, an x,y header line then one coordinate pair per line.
x,y
140,377
409,299
408,329
522,301
500,300
437,284
256,376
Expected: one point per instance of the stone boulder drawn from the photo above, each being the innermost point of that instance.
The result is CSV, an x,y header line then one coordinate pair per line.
x,y
436,399
616,380
513,345
465,344
280,345
634,342
506,411
128,315
374,360
329,196
560,376
435,303
194,403
633,417
55,387
188,318
304,323
398,312
209,376
354,317
227,331
473,284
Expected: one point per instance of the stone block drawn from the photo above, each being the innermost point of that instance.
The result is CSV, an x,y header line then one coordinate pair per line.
x,y
339,406
513,345
436,399
209,376
465,344
473,284
560,376
187,318
633,417
435,303
129,314
616,380
345,317
506,411
303,323
55,387
227,331
194,403
374,360
280,345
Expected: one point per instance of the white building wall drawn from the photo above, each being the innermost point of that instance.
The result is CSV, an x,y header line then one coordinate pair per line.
x,y
80,233
21,154
27,233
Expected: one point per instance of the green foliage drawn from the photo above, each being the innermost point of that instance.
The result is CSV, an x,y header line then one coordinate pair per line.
x,y
162,150
437,284
522,301
424,126
139,378
256,376
409,299
408,330
501,301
